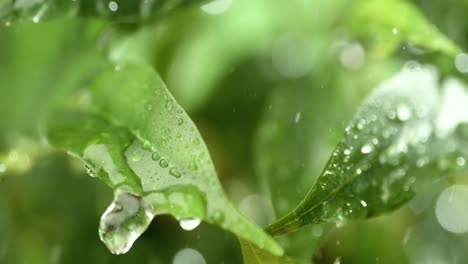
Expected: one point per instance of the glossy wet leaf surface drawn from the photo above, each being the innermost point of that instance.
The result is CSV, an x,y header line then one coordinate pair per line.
x,y
150,149
400,139
254,255
398,21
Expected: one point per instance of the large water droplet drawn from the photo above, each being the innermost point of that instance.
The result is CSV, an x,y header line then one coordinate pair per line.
x,y
124,221
189,224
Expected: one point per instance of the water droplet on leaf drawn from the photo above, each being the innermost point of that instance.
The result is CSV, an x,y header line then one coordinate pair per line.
x,y
164,163
189,224
124,221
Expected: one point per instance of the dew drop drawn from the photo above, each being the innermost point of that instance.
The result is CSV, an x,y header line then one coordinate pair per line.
x,y
123,222
367,148
175,172
163,163
146,146
395,31
88,169
347,151
169,105
460,161
196,141
113,6
218,216
363,203
189,224
180,121
403,113
156,156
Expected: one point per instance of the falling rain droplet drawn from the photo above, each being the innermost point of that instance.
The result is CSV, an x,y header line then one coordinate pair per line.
x,y
189,224
124,221
297,118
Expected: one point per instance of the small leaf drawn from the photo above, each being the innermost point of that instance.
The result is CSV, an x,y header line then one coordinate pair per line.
x,y
407,133
254,255
386,23
152,155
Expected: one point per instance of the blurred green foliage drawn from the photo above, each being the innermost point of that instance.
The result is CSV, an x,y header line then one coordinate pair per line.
x,y
271,86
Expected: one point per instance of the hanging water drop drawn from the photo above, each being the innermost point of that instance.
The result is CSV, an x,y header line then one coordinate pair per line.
x,y
189,224
124,221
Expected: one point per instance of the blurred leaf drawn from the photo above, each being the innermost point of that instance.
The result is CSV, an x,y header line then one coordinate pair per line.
x,y
300,128
174,172
37,74
254,255
116,10
386,23
406,134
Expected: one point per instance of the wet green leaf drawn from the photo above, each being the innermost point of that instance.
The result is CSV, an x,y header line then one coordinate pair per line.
x,y
37,77
294,139
116,10
254,255
152,155
387,23
407,133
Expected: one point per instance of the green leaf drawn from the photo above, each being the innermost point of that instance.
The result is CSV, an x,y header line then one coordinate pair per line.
x,y
407,133
254,255
296,136
386,23
116,10
38,74
152,155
